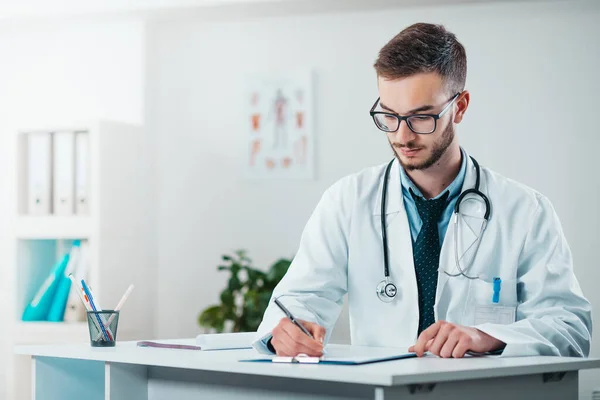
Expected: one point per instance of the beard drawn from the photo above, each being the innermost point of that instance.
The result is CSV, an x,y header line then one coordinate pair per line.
x,y
438,149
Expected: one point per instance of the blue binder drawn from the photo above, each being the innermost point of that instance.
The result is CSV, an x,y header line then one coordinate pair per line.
x,y
39,307
61,296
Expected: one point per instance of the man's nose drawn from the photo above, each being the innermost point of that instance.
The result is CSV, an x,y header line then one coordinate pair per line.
x,y
403,134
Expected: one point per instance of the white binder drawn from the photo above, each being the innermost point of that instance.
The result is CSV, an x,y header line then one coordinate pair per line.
x,y
82,173
75,310
39,171
64,173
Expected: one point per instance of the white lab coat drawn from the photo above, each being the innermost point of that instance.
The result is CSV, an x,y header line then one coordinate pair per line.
x,y
341,252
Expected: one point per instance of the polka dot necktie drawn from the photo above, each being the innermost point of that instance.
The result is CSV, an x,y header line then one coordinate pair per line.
x,y
426,254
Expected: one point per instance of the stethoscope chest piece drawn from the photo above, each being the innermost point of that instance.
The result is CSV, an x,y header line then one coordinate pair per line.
x,y
386,291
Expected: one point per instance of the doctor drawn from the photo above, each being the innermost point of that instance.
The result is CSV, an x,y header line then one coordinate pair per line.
x,y
435,252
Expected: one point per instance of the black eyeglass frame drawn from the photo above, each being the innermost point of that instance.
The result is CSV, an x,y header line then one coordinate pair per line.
x,y
401,118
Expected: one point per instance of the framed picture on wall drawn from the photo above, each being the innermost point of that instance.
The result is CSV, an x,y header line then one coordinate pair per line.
x,y
280,126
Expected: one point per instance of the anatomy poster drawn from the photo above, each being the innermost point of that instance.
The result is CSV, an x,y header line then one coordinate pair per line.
x,y
280,128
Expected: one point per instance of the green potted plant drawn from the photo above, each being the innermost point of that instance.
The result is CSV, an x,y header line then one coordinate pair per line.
x,y
245,299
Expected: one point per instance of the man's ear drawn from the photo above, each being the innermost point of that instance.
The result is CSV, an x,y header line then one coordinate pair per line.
x,y
462,103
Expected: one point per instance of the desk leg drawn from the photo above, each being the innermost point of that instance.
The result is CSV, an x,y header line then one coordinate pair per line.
x,y
63,378
547,387
126,382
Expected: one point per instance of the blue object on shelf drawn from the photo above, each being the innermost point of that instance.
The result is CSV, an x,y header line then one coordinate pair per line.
x,y
57,308
39,307
59,303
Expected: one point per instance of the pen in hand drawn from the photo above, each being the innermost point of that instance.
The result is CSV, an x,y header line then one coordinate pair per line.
x,y
285,341
293,319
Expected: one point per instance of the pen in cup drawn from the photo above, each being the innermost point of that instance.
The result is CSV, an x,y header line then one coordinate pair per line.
x,y
79,292
83,298
88,293
118,307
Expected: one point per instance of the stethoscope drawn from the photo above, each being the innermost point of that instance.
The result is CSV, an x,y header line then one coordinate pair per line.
x,y
386,289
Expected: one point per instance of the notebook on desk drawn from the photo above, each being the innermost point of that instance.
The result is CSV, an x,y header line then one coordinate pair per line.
x,y
343,355
206,342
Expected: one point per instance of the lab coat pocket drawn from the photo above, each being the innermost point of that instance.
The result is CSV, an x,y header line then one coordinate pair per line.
x,y
489,302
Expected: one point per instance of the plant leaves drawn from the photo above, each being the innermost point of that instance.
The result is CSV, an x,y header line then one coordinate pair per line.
x,y
255,278
212,317
227,298
241,254
235,268
263,300
234,283
255,288
278,270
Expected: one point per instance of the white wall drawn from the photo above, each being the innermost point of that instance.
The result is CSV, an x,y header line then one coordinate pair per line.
x,y
60,72
532,75
85,69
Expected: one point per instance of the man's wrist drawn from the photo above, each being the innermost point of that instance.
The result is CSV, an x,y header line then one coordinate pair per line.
x,y
270,346
496,345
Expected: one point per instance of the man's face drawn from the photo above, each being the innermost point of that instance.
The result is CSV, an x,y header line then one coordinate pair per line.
x,y
423,93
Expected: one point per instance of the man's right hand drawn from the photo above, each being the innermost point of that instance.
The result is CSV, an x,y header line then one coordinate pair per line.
x,y
289,341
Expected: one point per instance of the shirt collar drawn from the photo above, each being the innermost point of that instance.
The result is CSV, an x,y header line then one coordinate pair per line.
x,y
454,188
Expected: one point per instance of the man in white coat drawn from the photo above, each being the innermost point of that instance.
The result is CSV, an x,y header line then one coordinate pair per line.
x,y
495,277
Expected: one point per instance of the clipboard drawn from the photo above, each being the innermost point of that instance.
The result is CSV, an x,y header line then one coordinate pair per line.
x,y
304,359
351,355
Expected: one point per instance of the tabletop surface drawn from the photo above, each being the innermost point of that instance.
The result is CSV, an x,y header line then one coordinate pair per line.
x,y
389,373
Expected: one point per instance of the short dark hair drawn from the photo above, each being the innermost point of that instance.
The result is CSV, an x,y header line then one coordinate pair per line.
x,y
422,48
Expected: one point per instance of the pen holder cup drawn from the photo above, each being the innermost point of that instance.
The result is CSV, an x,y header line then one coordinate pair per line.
x,y
103,327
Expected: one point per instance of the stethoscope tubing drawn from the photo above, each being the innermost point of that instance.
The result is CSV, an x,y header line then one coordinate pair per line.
x,y
475,190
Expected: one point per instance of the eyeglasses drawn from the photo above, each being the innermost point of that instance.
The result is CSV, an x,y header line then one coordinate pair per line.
x,y
418,123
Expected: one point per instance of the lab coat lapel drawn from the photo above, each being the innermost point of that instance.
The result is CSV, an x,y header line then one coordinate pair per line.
x,y
394,193
470,220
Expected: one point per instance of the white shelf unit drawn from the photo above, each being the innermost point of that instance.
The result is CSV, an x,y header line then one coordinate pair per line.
x,y
47,332
53,227
119,228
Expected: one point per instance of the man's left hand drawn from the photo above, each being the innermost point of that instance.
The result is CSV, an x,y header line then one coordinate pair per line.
x,y
447,340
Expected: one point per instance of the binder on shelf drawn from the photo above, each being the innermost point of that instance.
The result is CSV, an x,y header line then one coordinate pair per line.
x,y
74,310
39,171
38,308
64,173
82,173
59,303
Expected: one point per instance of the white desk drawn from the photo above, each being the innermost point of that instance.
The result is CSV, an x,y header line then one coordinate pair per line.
x,y
127,372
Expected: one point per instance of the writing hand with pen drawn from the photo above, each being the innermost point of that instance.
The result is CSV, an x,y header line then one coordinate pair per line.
x,y
292,336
